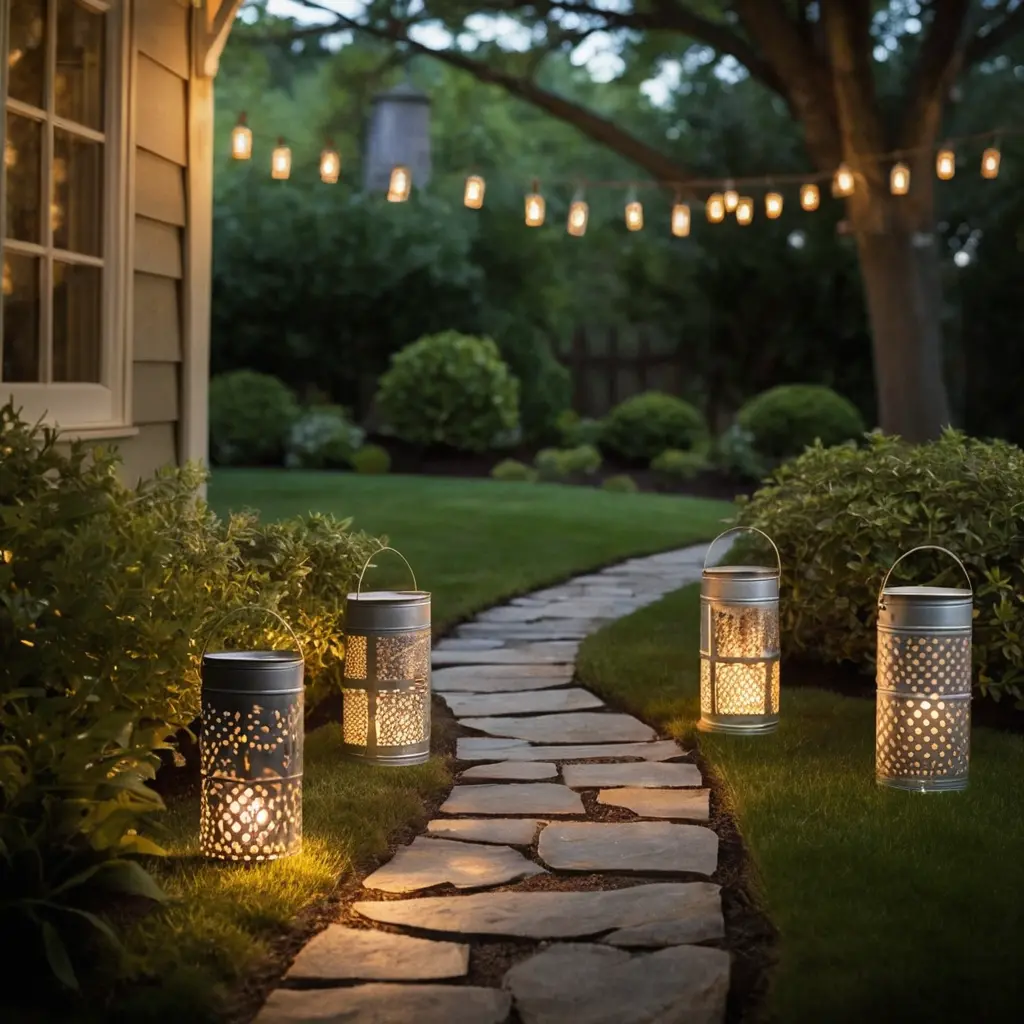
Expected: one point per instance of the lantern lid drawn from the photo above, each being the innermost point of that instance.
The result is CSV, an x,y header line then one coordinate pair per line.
x,y
265,660
952,593
926,609
262,672
741,584
381,610
390,596
742,572
403,92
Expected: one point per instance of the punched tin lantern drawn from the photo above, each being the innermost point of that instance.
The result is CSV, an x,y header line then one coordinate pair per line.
x,y
923,702
250,752
739,645
386,686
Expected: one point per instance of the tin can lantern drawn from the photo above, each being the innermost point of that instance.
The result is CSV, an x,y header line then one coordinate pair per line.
x,y
923,703
386,687
250,752
739,644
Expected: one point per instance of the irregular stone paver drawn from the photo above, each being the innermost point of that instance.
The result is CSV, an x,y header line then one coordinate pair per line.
x,y
512,798
562,629
346,954
516,831
702,922
659,803
549,915
654,847
554,652
510,613
533,702
425,863
599,985
489,748
585,776
511,678
575,727
514,771
387,1004
468,644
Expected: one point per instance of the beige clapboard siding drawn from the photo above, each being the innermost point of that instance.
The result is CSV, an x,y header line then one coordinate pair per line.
x,y
162,33
159,189
157,314
160,111
155,445
156,389
157,247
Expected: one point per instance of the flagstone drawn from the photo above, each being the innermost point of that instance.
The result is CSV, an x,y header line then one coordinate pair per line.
x,y
575,727
691,804
513,798
584,776
703,922
532,702
548,629
457,643
499,678
514,831
554,652
516,771
493,748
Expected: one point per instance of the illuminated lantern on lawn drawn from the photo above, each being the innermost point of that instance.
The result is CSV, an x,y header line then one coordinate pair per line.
x,y
386,686
923,704
739,645
250,750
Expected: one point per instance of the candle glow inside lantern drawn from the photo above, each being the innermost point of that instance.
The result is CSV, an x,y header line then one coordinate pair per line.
x,y
923,702
739,645
250,751
386,685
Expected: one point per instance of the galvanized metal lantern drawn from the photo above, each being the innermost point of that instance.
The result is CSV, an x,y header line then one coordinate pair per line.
x,y
739,645
386,687
398,136
923,704
250,750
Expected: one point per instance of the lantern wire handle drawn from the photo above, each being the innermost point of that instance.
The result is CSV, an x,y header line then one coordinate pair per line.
x,y
924,547
366,565
744,529
248,608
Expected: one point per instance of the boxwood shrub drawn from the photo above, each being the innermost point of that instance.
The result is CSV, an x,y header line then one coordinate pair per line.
x,y
642,427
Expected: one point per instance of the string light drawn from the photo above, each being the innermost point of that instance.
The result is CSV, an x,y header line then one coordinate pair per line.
x,y
400,185
535,207
579,214
715,208
281,161
634,214
680,220
730,198
810,196
842,182
773,205
241,139
330,165
899,179
945,164
744,210
473,194
990,162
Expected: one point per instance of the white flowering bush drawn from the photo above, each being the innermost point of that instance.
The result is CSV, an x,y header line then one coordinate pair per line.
x,y
323,438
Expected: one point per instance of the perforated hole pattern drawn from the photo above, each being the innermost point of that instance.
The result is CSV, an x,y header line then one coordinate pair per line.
x,y
250,821
740,688
924,665
258,742
918,737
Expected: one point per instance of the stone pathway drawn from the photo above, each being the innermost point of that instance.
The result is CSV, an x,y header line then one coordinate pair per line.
x,y
579,829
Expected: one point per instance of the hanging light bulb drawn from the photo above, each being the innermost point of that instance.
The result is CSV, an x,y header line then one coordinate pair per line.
x,y
990,162
634,214
730,197
945,164
715,208
842,182
744,210
281,161
330,164
899,179
241,139
535,207
473,194
680,220
579,214
773,205
400,185
809,197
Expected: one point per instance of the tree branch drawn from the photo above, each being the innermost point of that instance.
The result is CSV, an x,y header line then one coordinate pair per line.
x,y
993,36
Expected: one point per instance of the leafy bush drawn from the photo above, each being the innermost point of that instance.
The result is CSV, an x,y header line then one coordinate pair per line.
x,y
559,463
620,484
251,415
450,389
733,453
785,420
643,426
679,465
841,516
323,438
575,430
371,459
512,470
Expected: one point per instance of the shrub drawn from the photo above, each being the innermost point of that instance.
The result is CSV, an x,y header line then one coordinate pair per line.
x,y
575,430
841,516
513,470
733,453
251,415
785,420
559,463
643,426
679,465
450,389
323,438
371,459
620,484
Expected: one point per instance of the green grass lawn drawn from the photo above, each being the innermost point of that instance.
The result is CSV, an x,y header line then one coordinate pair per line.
x,y
890,906
472,543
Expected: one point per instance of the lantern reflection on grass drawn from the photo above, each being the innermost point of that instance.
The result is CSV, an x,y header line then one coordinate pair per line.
x,y
739,645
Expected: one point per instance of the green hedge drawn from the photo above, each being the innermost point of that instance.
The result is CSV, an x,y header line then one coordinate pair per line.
x,y
841,516
642,427
251,419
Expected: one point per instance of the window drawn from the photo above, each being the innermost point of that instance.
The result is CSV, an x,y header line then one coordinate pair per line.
x,y
62,214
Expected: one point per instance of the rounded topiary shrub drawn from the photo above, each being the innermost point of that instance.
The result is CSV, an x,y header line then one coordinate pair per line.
x,y
785,420
642,427
322,438
251,417
513,471
371,459
450,389
622,483
677,465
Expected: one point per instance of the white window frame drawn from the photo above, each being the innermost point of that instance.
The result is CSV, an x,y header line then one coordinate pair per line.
x,y
103,409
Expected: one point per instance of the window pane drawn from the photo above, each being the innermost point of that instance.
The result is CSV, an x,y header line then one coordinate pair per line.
x,y
77,321
78,86
76,212
26,56
21,318
22,149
